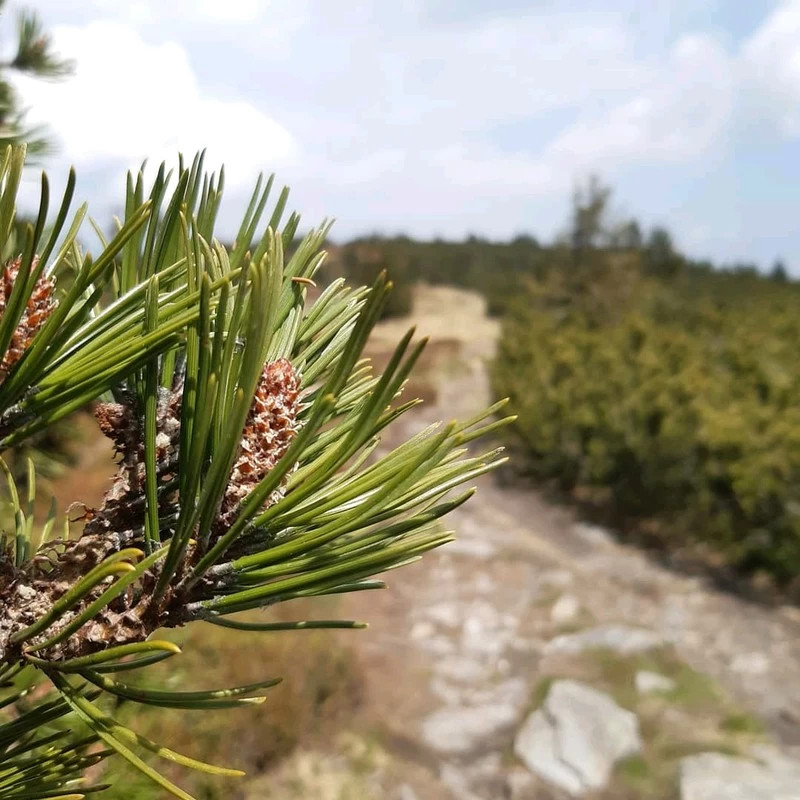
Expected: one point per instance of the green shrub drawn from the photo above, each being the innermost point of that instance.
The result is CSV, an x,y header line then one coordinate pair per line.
x,y
676,401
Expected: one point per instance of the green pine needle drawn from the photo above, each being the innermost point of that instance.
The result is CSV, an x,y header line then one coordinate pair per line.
x,y
223,503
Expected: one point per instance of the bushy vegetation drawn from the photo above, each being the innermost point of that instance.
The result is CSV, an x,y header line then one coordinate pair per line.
x,y
675,399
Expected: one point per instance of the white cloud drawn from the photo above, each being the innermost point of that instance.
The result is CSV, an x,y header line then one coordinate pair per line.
x,y
233,12
771,67
130,100
226,11
678,117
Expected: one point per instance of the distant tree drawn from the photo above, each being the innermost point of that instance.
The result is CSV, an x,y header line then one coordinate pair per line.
x,y
525,240
34,56
628,236
588,224
778,272
660,257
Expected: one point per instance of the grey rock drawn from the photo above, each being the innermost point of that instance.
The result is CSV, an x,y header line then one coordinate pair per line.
x,y
459,729
462,728
713,776
652,682
622,639
576,737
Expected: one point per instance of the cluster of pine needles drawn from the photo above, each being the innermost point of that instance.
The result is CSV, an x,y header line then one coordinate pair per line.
x,y
247,424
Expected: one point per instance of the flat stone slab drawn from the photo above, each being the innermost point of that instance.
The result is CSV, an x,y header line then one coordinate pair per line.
x,y
713,776
622,639
576,737
463,728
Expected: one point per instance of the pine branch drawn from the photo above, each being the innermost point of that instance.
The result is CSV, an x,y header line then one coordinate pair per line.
x,y
245,422
35,50
36,57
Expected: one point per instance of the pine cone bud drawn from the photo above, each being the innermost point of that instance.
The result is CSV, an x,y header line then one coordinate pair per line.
x,y
271,425
38,309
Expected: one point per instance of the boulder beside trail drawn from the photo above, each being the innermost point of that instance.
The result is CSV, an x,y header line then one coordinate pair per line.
x,y
768,776
576,737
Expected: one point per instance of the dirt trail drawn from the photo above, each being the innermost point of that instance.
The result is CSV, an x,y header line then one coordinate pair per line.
x,y
459,643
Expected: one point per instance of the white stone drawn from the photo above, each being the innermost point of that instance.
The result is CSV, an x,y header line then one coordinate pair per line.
x,y
556,578
513,691
565,609
459,729
537,746
620,638
576,737
446,692
713,776
405,792
447,614
462,728
652,682
755,663
472,548
422,630
26,592
486,632
594,534
463,668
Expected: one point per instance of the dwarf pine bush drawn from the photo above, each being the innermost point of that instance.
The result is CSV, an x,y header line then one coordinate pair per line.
x,y
674,401
245,424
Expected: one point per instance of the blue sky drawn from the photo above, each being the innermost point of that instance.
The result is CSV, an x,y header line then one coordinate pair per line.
x,y
448,117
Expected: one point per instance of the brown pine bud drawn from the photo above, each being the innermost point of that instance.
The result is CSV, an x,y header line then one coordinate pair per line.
x,y
38,308
271,425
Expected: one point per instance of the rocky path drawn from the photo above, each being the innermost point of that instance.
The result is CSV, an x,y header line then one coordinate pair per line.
x,y
536,657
